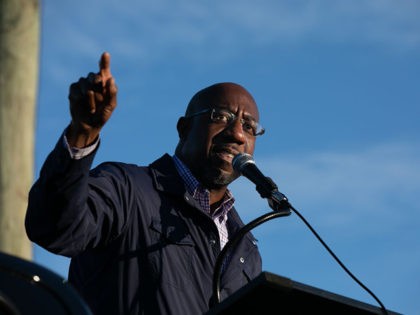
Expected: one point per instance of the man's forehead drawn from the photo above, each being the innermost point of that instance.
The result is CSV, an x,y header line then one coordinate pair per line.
x,y
227,95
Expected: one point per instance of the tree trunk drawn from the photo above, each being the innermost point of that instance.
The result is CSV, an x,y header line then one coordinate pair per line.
x,y
19,53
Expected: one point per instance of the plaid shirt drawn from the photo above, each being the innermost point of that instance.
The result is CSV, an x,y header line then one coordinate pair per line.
x,y
202,195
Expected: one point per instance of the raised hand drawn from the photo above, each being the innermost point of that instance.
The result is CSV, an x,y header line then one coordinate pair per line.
x,y
92,101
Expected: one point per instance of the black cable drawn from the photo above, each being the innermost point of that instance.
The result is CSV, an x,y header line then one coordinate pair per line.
x,y
384,310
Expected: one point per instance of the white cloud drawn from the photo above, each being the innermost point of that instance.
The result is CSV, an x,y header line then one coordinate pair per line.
x,y
156,28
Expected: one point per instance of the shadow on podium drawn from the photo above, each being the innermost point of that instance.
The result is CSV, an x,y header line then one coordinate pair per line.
x,y
27,288
273,294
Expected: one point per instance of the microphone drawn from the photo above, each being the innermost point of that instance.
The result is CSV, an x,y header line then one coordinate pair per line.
x,y
244,164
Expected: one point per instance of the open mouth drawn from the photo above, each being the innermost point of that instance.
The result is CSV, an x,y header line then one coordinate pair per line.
x,y
225,154
227,157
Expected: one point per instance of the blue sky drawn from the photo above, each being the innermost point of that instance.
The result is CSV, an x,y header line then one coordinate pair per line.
x,y
337,83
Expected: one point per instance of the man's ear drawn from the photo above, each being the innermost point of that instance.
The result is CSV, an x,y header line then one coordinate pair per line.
x,y
183,126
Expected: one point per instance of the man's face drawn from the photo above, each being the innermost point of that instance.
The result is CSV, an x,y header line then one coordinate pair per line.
x,y
208,147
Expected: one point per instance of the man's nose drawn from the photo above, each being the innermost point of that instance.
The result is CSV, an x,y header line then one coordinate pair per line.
x,y
236,130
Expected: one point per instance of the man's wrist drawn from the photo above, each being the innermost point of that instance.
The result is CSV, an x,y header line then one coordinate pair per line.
x,y
81,135
79,153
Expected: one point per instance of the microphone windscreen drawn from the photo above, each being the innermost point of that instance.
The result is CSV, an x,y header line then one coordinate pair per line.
x,y
240,160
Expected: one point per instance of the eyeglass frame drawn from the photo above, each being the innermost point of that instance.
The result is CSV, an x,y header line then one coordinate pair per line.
x,y
233,116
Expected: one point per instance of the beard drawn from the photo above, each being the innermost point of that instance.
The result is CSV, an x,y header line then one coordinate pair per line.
x,y
215,178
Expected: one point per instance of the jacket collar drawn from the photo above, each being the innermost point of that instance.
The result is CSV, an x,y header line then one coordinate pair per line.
x,y
166,177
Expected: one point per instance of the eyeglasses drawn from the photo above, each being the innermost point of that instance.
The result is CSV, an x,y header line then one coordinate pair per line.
x,y
225,117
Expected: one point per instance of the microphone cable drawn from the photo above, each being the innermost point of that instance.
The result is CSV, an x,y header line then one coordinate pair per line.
x,y
384,310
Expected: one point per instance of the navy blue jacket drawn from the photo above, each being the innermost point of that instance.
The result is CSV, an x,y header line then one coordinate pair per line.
x,y
139,243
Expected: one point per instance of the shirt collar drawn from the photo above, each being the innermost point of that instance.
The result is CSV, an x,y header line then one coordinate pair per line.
x,y
199,193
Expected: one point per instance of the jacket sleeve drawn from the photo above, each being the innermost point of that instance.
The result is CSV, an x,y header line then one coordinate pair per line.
x,y
71,208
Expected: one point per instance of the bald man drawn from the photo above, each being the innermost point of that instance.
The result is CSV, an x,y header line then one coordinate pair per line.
x,y
145,239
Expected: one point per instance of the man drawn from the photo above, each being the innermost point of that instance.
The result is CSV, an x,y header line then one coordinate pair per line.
x,y
144,240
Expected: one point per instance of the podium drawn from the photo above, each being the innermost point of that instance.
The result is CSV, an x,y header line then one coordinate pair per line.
x,y
273,294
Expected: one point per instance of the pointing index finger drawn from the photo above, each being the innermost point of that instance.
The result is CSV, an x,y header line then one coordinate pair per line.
x,y
105,66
